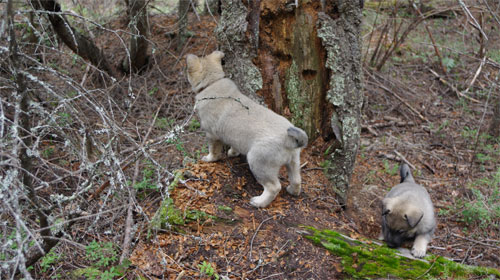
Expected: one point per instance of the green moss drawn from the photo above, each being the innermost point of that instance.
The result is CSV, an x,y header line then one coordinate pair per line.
x,y
368,261
177,177
168,216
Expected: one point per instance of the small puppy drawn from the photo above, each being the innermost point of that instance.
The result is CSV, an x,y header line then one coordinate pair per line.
x,y
268,140
408,214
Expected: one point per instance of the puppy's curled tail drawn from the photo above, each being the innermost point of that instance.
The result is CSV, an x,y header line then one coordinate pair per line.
x,y
405,173
297,138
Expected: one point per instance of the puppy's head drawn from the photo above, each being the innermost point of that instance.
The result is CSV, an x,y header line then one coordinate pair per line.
x,y
399,219
204,70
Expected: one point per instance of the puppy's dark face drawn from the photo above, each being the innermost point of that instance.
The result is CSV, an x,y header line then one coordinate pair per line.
x,y
399,221
395,235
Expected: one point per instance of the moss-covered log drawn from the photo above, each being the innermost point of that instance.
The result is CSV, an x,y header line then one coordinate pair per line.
x,y
367,260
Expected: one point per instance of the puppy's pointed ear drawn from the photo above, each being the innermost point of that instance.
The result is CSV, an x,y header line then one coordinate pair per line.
x,y
413,216
193,63
217,56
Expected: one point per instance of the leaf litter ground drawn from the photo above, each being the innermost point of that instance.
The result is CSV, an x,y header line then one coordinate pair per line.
x,y
240,241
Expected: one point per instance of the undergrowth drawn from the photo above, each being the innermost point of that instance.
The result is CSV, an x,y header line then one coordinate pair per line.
x,y
483,209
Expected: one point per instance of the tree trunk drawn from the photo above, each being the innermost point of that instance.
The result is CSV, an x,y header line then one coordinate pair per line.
x,y
302,58
137,11
182,23
494,129
212,7
77,42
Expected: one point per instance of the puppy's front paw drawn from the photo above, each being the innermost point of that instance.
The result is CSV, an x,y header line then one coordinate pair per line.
x,y
293,189
210,158
418,252
381,236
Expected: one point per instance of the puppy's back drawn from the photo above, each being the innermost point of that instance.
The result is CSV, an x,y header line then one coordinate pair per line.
x,y
412,193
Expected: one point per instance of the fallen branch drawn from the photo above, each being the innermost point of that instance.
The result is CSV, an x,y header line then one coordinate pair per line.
x,y
436,49
380,85
370,129
388,124
404,159
129,222
477,73
453,88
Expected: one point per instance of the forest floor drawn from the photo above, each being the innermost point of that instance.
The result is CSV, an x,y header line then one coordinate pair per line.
x,y
433,129
242,242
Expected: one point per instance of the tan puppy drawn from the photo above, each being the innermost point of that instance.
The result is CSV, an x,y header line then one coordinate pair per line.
x,y
408,214
228,117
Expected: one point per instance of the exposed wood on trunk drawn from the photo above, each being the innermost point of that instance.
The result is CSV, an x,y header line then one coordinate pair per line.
x,y
299,71
290,49
77,42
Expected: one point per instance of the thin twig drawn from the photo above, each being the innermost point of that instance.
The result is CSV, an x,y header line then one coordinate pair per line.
x,y
223,97
273,275
475,24
453,88
257,230
477,74
436,49
476,241
401,100
404,159
130,216
432,265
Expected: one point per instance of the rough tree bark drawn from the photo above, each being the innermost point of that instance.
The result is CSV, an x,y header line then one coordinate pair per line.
x,y
77,42
182,23
301,58
138,25
494,129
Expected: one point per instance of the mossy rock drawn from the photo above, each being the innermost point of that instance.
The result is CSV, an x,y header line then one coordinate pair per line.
x,y
368,261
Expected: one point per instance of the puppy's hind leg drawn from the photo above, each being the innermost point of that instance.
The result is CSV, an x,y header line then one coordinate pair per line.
x,y
214,149
293,169
271,190
267,176
233,152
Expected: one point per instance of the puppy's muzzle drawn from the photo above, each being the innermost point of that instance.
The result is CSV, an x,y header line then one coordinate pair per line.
x,y
393,238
